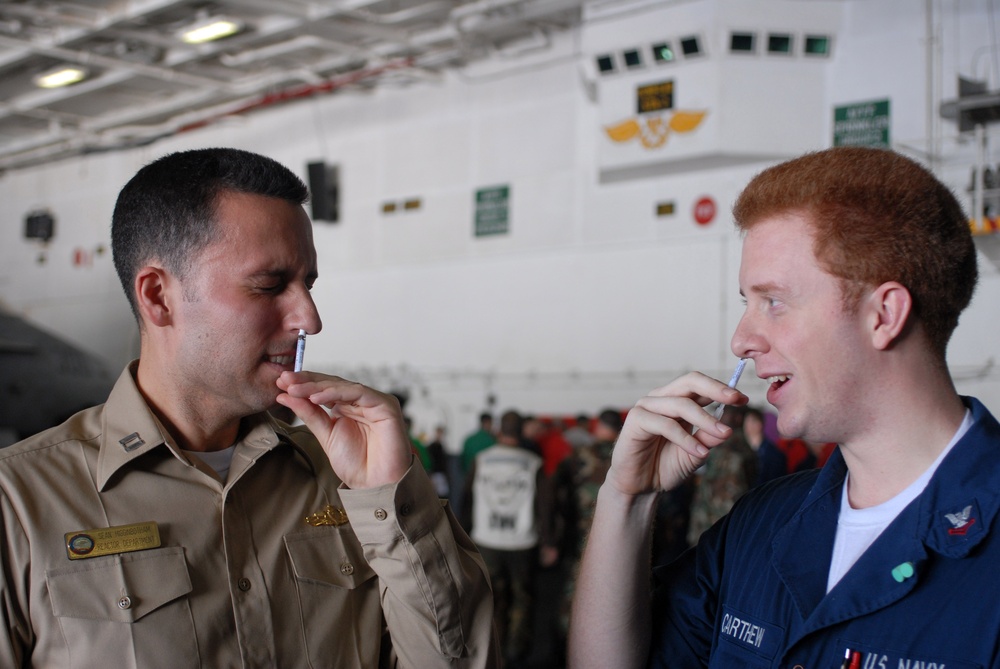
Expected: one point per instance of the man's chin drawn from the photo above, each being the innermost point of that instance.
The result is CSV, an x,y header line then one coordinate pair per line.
x,y
788,427
262,401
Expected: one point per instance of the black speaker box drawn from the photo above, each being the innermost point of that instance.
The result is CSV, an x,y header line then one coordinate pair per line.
x,y
324,192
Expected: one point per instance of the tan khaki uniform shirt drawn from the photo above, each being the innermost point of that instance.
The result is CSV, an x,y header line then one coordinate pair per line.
x,y
240,579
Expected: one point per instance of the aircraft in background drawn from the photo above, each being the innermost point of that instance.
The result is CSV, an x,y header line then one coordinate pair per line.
x,y
43,379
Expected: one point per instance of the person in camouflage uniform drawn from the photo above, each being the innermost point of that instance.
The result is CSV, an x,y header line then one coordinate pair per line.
x,y
577,480
729,471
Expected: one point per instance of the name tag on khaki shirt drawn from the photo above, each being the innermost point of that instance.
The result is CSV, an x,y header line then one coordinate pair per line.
x,y
112,540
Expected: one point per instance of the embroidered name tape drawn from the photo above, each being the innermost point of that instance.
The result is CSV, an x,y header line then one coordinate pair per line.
x,y
112,540
750,634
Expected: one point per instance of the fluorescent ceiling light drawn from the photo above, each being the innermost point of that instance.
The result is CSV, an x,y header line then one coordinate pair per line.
x,y
210,29
64,75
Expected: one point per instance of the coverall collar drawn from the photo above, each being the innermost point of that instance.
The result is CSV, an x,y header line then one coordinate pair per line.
x,y
950,517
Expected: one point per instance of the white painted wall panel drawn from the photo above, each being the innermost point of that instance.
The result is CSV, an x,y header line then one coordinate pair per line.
x,y
591,299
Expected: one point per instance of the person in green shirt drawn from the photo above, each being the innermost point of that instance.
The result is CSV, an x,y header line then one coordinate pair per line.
x,y
479,440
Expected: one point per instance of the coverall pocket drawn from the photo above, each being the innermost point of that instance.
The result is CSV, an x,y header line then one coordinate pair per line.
x,y
732,656
126,610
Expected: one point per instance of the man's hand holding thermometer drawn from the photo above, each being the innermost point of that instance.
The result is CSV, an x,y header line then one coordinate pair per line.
x,y
668,434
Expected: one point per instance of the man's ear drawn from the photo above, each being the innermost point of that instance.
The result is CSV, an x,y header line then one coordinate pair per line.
x,y
154,295
891,307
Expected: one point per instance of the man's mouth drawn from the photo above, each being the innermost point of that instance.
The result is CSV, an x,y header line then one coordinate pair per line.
x,y
281,359
777,380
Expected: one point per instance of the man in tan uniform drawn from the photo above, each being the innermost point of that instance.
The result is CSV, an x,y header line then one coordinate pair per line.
x,y
178,524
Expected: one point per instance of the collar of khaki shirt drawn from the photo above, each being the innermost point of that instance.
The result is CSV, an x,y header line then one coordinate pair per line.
x,y
129,430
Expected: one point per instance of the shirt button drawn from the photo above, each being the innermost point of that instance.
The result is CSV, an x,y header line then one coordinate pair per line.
x,y
347,569
381,514
125,603
404,510
243,584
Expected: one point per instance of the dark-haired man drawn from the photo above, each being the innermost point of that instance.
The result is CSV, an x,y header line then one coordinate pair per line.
x,y
178,524
508,507
856,265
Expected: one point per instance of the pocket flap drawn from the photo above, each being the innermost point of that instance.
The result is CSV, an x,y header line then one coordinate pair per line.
x,y
328,556
119,588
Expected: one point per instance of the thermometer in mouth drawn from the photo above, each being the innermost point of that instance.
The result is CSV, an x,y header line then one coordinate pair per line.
x,y
733,380
300,351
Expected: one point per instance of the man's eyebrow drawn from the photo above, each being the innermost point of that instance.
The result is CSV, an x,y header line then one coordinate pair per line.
x,y
268,274
762,288
281,273
758,288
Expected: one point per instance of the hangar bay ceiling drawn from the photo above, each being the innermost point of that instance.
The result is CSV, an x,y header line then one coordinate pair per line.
x,y
138,73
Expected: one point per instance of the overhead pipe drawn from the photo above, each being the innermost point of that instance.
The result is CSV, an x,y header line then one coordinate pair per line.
x,y
74,143
300,92
133,10
90,58
400,16
298,43
463,16
61,146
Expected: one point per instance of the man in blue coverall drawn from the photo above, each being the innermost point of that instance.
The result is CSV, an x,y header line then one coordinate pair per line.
x,y
856,265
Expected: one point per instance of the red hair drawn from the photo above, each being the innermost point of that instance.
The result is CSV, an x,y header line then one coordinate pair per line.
x,y
877,216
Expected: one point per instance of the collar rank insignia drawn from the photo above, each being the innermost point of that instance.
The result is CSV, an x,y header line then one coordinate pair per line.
x,y
961,521
131,442
328,516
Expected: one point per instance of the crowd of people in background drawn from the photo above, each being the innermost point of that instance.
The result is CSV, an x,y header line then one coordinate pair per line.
x,y
525,487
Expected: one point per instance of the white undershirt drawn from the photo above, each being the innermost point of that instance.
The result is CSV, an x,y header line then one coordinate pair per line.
x,y
217,460
857,529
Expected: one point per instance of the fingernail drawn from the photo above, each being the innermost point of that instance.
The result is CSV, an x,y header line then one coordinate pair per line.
x,y
702,450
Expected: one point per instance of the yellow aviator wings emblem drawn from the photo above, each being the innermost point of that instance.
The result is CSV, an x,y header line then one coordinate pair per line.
x,y
654,130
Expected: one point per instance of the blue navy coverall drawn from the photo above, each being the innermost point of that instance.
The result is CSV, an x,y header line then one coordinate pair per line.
x,y
753,592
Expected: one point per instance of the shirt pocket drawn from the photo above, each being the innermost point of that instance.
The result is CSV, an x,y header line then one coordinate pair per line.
x,y
126,610
339,611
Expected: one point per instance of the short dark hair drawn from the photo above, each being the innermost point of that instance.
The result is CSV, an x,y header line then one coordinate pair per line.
x,y
510,424
877,216
611,418
167,210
